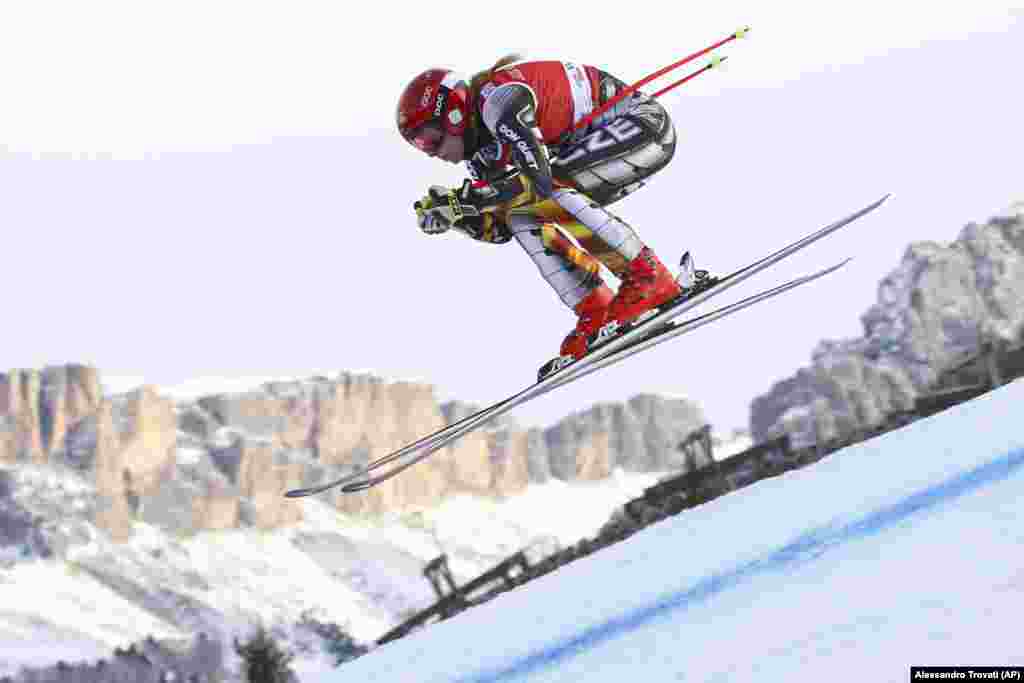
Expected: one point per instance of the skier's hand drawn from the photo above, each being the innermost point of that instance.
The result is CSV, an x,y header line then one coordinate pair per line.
x,y
432,222
441,210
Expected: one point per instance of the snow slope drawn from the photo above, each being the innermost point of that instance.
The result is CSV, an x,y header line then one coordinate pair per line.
x,y
904,550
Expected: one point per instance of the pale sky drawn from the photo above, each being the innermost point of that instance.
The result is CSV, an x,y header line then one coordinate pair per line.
x,y
216,189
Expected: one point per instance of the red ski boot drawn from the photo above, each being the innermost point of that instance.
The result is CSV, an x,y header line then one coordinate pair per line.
x,y
592,312
646,284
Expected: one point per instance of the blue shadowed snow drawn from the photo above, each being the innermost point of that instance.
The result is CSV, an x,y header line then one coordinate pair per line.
x,y
904,550
806,548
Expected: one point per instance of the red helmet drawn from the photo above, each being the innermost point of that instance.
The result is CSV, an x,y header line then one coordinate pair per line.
x,y
432,98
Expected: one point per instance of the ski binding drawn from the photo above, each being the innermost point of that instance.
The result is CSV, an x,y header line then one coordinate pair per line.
x,y
553,366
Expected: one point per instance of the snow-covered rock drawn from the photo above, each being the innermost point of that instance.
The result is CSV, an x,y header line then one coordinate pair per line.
x,y
365,575
940,303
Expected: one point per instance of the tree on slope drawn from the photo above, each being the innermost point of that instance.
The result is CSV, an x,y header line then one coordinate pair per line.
x,y
263,660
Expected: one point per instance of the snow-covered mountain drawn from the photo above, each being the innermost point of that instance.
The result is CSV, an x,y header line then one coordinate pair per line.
x,y
133,515
941,302
89,594
223,460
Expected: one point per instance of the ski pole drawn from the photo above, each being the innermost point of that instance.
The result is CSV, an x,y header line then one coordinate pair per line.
x,y
713,64
660,72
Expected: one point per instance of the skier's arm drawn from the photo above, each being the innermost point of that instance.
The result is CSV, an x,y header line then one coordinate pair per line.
x,y
510,113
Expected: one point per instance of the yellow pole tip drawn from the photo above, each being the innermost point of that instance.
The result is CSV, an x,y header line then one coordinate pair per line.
x,y
742,33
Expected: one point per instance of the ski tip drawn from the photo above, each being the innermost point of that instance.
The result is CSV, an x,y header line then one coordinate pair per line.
x,y
685,257
832,269
875,204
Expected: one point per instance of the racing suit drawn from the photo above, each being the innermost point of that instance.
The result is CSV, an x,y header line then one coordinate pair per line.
x,y
523,119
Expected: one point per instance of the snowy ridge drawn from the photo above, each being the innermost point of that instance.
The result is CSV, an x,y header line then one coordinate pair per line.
x,y
100,595
196,388
940,304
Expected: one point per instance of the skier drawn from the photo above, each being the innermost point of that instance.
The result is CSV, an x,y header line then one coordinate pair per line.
x,y
507,118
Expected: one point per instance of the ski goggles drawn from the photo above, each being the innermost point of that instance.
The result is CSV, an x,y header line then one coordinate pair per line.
x,y
428,137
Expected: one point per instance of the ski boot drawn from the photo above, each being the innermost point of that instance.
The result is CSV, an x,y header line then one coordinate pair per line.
x,y
592,312
647,289
647,285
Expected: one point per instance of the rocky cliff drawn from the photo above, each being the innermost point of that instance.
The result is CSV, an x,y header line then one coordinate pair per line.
x,y
224,460
940,303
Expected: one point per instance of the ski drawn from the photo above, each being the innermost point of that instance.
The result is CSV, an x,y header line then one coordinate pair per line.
x,y
629,336
669,331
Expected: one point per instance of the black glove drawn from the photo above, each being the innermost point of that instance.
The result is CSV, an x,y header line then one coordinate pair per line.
x,y
442,209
